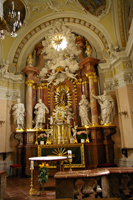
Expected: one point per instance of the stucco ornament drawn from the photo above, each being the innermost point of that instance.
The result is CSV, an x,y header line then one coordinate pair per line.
x,y
18,114
59,50
4,67
40,111
107,107
84,107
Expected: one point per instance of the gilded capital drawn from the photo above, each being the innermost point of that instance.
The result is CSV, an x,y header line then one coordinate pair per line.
x,y
91,75
29,82
79,81
39,86
44,85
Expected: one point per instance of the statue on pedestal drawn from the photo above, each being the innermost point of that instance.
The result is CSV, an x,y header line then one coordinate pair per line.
x,y
18,114
84,107
40,110
107,107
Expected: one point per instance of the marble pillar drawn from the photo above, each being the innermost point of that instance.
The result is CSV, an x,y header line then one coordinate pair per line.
x,y
93,102
39,87
29,110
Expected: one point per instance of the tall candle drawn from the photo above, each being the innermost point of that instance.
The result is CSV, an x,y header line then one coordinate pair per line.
x,y
69,153
18,15
32,164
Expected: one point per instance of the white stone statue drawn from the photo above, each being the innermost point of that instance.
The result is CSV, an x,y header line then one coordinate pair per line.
x,y
50,4
112,51
40,110
51,77
69,74
4,68
51,120
84,108
69,114
107,107
18,114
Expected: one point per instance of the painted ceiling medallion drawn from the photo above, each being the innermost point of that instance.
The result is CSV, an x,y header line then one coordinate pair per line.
x,y
95,7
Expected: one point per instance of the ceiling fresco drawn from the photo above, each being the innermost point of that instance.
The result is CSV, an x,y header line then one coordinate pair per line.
x,y
95,7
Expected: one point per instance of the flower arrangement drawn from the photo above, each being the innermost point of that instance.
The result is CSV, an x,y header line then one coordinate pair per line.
x,y
43,176
42,137
82,134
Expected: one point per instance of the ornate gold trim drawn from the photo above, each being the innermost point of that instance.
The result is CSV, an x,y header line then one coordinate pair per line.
x,y
10,67
82,165
121,22
30,82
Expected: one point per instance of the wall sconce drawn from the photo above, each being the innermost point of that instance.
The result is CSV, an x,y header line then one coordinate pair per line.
x,y
2,121
123,112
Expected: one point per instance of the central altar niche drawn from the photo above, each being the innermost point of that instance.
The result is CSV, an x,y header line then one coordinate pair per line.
x,y
61,115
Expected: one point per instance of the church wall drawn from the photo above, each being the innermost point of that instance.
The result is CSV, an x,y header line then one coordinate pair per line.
x,y
10,87
125,99
116,137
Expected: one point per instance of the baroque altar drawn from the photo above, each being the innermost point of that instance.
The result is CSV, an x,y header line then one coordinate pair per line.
x,y
62,99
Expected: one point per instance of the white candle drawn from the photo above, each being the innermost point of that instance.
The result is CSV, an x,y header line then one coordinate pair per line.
x,y
18,15
32,164
69,153
12,5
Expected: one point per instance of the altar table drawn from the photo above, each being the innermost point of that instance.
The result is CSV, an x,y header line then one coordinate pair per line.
x,y
35,185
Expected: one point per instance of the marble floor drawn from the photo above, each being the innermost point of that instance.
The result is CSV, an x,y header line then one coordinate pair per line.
x,y
18,189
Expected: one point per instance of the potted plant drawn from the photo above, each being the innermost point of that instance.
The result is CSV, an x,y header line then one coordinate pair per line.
x,y
82,135
43,176
42,138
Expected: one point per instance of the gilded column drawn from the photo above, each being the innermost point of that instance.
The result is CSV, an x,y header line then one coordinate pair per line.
x,y
93,103
29,110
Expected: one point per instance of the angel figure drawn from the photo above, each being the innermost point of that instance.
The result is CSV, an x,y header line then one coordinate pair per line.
x,y
51,77
53,7
69,74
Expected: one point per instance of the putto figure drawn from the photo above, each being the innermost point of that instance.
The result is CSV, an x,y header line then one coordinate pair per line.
x,y
107,107
40,110
18,114
84,108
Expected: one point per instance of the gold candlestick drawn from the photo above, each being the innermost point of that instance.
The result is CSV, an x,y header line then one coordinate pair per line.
x,y
70,162
32,190
36,142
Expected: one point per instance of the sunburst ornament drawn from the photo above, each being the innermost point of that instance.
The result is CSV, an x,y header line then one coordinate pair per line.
x,y
59,42
60,152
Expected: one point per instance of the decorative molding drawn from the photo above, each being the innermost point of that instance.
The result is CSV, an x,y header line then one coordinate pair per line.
x,y
121,22
48,24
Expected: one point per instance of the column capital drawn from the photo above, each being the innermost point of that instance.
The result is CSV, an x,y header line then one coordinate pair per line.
x,y
31,72
29,82
91,75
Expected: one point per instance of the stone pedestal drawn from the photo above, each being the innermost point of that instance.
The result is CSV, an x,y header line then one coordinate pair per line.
x,y
108,131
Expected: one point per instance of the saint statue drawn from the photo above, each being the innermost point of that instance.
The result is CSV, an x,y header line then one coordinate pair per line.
x,y
18,114
40,110
84,108
107,107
